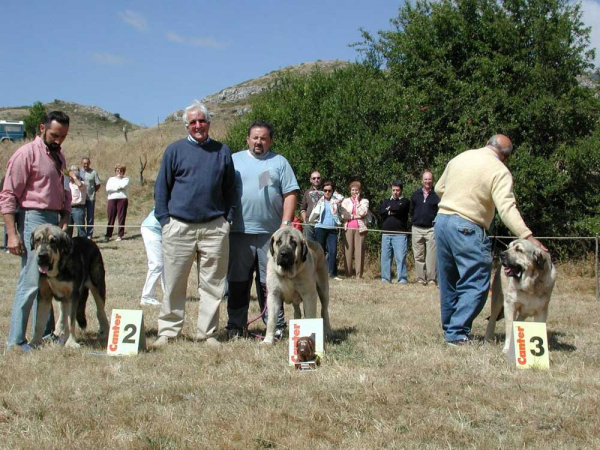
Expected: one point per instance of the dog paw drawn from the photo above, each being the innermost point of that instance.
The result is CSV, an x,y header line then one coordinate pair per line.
x,y
267,341
72,344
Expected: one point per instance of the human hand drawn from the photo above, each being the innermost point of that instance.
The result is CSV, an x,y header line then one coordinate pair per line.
x,y
536,242
14,245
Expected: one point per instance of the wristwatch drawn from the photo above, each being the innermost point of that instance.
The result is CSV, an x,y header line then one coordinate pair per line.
x,y
286,222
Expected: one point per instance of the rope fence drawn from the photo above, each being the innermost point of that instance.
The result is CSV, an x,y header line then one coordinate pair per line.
x,y
596,239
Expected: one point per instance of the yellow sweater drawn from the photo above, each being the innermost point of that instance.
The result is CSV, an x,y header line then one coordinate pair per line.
x,y
475,182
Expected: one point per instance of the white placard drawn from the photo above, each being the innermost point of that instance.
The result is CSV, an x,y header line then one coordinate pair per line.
x,y
529,346
127,335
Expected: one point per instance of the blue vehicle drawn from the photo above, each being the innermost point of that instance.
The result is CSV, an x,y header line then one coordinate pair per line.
x,y
12,130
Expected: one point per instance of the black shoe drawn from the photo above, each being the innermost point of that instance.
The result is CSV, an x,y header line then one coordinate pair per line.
x,y
106,239
460,342
234,333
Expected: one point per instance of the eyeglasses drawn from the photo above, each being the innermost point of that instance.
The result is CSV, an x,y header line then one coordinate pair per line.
x,y
315,178
199,122
327,190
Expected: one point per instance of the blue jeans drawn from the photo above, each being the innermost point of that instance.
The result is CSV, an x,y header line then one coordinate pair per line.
x,y
464,255
90,206
248,254
77,218
328,238
396,244
27,286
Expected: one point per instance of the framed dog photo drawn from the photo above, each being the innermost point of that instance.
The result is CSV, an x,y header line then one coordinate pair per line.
x,y
306,343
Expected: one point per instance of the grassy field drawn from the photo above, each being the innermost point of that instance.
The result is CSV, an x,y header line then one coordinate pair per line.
x,y
387,380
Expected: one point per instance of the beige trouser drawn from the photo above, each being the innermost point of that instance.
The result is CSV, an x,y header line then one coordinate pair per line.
x,y
182,243
354,252
423,245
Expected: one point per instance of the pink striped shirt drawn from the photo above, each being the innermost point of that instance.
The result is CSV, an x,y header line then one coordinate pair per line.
x,y
32,181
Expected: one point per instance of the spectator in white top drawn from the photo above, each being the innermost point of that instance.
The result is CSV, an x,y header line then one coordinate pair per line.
x,y
78,193
116,188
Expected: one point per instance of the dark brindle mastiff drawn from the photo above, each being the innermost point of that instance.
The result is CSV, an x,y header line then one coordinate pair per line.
x,y
296,272
69,269
528,278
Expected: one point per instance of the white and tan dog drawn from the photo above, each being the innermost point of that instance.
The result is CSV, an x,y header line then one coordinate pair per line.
x,y
528,278
296,272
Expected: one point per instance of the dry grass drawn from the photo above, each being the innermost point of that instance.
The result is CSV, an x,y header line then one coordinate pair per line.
x,y
388,380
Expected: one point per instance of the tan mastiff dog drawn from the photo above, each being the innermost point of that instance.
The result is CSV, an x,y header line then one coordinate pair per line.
x,y
296,272
528,278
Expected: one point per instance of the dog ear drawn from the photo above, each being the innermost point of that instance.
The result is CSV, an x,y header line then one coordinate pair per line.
x,y
272,250
32,240
540,260
304,249
65,244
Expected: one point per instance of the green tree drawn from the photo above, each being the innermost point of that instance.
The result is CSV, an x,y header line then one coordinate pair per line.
x,y
37,112
443,79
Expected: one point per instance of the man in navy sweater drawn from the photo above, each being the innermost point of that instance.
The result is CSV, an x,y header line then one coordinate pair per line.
x,y
424,208
394,216
195,199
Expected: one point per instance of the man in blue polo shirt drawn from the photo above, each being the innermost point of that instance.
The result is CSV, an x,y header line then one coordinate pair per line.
x,y
195,201
266,187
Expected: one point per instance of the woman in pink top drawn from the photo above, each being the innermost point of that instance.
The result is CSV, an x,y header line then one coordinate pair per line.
x,y
354,211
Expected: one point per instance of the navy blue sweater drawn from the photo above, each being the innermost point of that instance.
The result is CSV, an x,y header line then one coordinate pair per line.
x,y
398,219
423,212
195,183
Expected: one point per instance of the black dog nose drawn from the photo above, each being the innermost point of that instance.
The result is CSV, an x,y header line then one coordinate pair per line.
x,y
285,257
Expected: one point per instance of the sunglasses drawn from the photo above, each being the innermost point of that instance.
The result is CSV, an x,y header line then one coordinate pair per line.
x,y
327,190
315,178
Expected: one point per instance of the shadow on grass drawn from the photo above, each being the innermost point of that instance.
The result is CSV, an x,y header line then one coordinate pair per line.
x,y
556,345
341,335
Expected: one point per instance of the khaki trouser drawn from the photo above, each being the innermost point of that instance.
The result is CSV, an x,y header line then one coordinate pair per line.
x,y
354,252
208,244
423,244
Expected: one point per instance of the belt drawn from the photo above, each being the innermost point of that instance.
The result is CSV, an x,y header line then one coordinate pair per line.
x,y
78,206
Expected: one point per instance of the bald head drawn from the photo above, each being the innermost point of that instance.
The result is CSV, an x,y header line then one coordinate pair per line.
x,y
502,144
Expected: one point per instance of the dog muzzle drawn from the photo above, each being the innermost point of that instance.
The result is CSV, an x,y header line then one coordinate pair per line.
x,y
44,264
285,258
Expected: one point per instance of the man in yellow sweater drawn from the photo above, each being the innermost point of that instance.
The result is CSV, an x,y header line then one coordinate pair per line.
x,y
473,184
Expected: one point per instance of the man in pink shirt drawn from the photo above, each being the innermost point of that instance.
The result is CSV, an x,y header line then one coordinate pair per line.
x,y
36,190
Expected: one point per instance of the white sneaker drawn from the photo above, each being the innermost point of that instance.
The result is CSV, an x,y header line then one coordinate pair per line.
x,y
150,302
118,239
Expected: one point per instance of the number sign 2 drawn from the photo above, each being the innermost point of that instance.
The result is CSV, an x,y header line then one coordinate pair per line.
x,y
529,345
127,335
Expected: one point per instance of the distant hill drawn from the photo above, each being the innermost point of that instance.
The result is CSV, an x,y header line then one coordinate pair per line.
x,y
86,121
228,104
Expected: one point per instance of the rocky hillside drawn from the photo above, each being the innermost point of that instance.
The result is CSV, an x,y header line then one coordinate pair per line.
x,y
89,122
233,101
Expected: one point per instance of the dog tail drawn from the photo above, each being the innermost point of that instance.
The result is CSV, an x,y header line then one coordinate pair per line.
x,y
497,296
81,319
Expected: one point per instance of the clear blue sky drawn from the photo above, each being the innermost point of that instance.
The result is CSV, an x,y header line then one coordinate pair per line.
x,y
146,59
